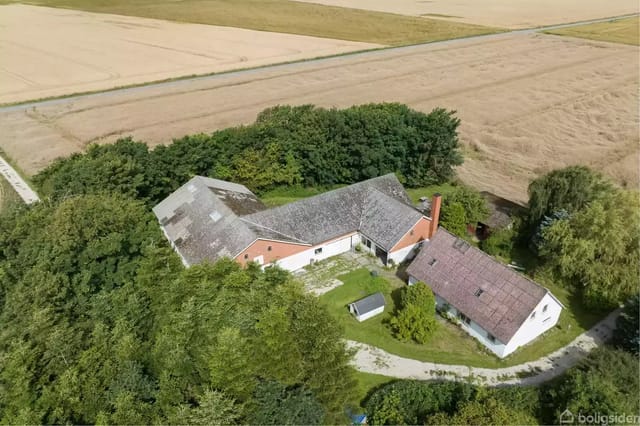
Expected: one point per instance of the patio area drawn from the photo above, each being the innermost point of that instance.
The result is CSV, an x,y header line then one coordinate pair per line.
x,y
321,277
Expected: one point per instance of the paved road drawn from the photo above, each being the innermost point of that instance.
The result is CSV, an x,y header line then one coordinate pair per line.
x,y
370,359
20,185
288,66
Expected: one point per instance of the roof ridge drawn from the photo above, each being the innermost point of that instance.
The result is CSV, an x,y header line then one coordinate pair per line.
x,y
243,218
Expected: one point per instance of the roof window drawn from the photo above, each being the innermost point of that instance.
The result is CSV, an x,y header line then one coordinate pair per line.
x,y
478,292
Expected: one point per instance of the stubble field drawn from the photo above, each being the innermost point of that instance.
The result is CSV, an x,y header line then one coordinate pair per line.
x,y
528,103
52,52
499,13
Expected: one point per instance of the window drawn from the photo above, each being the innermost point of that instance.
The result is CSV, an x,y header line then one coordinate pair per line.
x,y
318,250
533,315
546,319
432,262
545,308
491,337
464,318
478,292
269,248
367,243
411,232
246,256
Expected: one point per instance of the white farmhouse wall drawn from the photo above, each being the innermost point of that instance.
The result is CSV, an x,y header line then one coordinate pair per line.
x,y
370,314
399,256
534,327
479,333
302,259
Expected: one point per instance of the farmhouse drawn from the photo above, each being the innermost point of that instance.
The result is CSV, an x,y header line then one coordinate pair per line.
x,y
500,307
207,219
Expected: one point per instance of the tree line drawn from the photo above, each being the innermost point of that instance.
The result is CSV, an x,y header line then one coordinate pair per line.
x,y
286,146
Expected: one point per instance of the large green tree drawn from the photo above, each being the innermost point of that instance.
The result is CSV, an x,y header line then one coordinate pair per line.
x,y
569,189
607,382
597,249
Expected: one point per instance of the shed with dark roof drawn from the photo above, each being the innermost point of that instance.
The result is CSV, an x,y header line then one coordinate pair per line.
x,y
368,307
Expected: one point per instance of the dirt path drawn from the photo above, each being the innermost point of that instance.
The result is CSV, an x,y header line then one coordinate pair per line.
x,y
15,180
370,359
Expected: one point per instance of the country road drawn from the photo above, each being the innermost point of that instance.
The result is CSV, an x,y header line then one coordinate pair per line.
x,y
528,103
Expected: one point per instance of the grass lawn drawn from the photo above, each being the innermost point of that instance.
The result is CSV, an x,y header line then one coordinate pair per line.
x,y
449,344
617,31
366,384
428,191
280,196
285,17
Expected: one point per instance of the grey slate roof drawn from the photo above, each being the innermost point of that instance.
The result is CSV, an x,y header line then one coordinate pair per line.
x,y
379,208
207,219
201,218
369,303
456,271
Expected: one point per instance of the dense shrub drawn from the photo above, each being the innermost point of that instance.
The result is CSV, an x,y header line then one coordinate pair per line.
x,y
415,320
627,332
499,243
411,402
286,145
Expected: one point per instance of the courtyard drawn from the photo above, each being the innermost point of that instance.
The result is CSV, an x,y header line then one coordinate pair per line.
x,y
346,278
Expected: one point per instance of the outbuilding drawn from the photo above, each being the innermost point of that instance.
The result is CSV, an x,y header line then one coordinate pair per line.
x,y
368,307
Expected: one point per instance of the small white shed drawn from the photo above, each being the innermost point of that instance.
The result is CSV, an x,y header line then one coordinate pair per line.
x,y
368,307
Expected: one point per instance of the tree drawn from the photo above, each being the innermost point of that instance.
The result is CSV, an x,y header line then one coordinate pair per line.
x,y
454,219
606,382
474,205
415,320
275,404
570,189
627,333
214,408
597,249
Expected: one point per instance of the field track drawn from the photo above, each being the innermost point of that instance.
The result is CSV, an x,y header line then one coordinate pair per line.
x,y
528,103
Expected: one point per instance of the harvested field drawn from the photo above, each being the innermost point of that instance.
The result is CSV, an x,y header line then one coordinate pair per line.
x,y
52,52
283,16
618,31
499,13
529,103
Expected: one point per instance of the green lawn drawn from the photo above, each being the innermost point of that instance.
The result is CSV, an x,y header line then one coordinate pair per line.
x,y
366,383
428,191
624,31
450,344
280,196
284,16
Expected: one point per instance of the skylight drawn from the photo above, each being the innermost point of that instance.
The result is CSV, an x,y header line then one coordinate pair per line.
x,y
479,292
215,215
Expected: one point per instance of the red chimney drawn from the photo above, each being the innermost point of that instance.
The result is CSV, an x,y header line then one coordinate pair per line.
x,y
436,202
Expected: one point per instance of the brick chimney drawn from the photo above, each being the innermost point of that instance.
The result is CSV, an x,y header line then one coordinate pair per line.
x,y
436,202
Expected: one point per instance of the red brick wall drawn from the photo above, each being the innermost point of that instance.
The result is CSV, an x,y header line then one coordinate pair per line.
x,y
278,250
421,231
